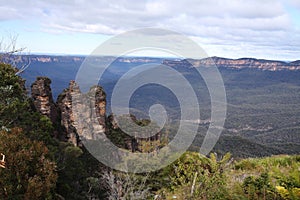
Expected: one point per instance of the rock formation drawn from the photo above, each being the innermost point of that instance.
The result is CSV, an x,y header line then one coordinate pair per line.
x,y
64,102
83,116
100,105
135,143
93,121
129,142
42,98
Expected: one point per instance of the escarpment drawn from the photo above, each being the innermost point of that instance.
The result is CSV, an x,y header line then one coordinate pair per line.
x,y
241,63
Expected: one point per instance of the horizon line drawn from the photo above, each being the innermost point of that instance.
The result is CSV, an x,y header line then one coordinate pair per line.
x,y
142,56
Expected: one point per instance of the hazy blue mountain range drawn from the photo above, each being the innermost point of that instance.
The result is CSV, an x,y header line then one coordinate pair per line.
x,y
263,97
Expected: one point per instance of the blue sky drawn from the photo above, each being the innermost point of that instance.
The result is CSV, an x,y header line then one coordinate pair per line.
x,y
236,28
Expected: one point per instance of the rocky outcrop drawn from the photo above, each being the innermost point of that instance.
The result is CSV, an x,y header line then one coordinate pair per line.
x,y
64,102
91,113
128,142
62,112
100,105
42,98
135,143
83,116
70,100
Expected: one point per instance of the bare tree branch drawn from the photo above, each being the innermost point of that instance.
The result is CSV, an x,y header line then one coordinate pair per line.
x,y
10,54
125,186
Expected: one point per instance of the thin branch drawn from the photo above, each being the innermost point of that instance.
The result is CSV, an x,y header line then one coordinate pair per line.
x,y
8,54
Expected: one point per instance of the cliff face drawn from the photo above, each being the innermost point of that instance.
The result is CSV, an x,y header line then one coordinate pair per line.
x,y
64,102
135,143
236,63
74,132
89,109
100,105
63,109
42,98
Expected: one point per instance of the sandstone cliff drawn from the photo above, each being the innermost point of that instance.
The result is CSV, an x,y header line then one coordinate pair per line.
x,y
42,98
64,102
82,105
83,116
236,63
62,114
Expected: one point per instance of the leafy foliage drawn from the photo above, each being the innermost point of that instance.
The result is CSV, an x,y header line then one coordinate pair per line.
x,y
12,96
275,177
22,126
197,177
29,173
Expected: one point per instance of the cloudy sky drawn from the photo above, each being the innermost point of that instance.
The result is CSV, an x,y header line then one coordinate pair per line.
x,y
234,28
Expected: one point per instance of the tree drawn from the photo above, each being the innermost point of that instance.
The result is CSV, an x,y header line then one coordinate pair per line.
x,y
29,173
12,96
18,113
16,109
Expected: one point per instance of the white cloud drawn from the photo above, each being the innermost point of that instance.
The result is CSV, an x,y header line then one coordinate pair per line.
x,y
295,3
253,23
126,15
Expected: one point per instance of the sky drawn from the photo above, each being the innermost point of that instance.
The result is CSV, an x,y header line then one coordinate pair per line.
x,y
268,29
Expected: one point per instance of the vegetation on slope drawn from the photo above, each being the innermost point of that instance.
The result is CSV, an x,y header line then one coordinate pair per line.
x,y
38,166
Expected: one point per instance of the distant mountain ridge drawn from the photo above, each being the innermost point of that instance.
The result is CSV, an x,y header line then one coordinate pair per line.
x,y
263,64
271,65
